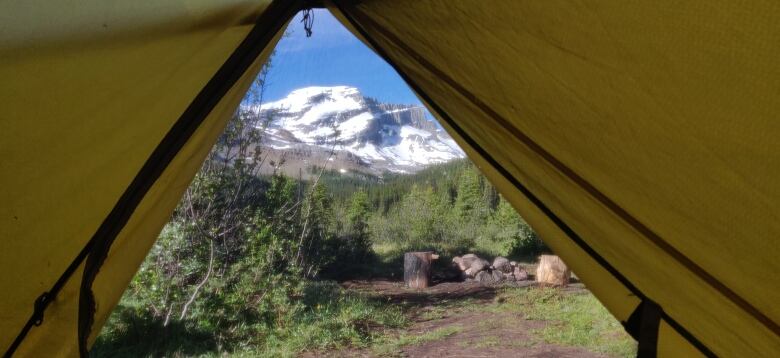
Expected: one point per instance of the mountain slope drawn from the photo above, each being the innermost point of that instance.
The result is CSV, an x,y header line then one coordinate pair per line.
x,y
364,134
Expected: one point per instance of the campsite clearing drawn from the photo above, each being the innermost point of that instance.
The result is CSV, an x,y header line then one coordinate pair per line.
x,y
470,319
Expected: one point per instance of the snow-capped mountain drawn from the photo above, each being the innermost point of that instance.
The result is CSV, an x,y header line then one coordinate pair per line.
x,y
367,133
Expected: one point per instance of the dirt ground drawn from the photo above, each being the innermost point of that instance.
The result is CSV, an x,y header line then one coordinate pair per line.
x,y
472,332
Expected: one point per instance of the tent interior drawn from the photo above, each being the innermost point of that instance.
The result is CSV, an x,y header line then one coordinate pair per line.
x,y
639,139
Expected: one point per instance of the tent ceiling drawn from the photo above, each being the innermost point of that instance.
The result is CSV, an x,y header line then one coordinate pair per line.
x,y
639,139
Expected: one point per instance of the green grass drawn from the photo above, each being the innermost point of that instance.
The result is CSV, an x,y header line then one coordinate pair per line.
x,y
333,318
435,312
573,319
348,321
490,248
392,346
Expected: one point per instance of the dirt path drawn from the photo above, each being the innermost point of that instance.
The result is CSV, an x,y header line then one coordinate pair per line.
x,y
456,320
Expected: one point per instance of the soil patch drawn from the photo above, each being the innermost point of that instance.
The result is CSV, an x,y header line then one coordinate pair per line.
x,y
461,312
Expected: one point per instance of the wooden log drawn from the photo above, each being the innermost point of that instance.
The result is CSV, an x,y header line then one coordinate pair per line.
x,y
417,268
552,271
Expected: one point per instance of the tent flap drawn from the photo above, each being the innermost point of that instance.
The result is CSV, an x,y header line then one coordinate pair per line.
x,y
638,139
622,129
130,113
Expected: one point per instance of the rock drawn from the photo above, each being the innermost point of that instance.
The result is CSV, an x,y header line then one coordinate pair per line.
x,y
489,277
456,261
502,264
483,276
479,264
470,273
467,259
519,274
509,277
513,263
460,263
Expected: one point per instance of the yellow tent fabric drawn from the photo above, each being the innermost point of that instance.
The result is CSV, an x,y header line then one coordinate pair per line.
x,y
639,140
89,90
647,131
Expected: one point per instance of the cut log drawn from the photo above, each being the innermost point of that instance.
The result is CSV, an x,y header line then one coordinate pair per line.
x,y
502,264
417,268
552,271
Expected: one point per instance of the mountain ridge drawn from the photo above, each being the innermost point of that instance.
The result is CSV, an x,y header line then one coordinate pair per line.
x,y
353,131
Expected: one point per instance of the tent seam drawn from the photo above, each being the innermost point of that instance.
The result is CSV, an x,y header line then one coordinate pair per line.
x,y
198,110
585,185
275,15
505,173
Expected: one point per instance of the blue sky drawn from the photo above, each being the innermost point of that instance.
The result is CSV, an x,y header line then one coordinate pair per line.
x,y
332,56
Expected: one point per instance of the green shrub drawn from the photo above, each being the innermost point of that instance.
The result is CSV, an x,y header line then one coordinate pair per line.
x,y
323,317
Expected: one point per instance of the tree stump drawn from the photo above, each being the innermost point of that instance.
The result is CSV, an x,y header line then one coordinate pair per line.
x,y
417,268
552,271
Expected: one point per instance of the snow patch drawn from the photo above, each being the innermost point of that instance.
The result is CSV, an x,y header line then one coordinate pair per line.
x,y
310,117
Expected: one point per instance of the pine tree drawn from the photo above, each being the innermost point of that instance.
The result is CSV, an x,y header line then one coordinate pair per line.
x,y
510,228
468,202
357,217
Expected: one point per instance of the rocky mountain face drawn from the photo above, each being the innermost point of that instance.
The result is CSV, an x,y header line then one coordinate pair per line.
x,y
363,134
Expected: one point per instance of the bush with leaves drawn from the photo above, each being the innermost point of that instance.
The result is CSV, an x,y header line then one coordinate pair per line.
x,y
235,255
